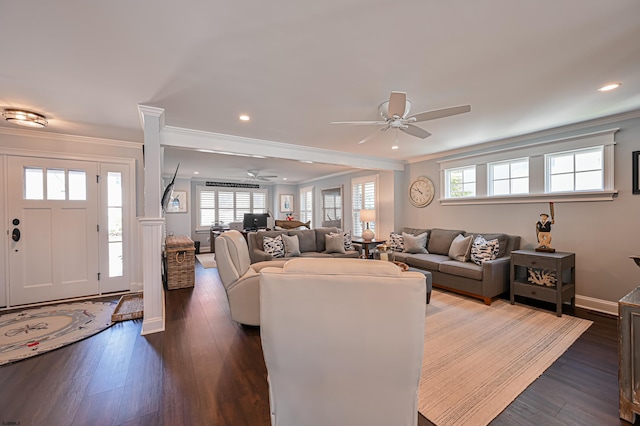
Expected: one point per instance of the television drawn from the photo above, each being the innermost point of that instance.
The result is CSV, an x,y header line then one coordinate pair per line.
x,y
253,221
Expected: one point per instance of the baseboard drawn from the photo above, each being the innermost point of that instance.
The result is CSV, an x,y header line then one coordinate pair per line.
x,y
152,325
597,305
136,287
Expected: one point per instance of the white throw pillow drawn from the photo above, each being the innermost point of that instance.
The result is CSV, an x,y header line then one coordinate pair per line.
x,y
273,246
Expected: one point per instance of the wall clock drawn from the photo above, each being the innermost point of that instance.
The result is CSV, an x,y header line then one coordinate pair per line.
x,y
421,191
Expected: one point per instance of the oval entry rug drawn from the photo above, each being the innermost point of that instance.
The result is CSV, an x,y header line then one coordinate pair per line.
x,y
34,331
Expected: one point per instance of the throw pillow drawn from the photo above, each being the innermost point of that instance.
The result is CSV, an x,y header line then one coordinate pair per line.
x,y
273,246
396,242
483,250
461,248
415,243
334,243
291,245
346,236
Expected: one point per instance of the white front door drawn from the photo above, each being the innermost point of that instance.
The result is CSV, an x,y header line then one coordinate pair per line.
x,y
53,205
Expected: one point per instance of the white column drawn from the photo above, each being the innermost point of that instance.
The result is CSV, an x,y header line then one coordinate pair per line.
x,y
152,223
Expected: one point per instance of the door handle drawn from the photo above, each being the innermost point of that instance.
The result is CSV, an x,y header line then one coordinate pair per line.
x,y
15,235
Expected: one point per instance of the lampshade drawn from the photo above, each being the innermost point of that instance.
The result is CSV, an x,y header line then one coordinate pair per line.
x,y
368,215
24,118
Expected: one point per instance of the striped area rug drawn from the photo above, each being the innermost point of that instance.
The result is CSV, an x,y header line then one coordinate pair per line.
x,y
478,358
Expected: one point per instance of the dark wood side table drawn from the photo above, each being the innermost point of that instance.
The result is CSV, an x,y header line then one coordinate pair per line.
x,y
367,243
562,264
628,355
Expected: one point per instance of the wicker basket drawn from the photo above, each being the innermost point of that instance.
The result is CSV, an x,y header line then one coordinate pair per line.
x,y
179,255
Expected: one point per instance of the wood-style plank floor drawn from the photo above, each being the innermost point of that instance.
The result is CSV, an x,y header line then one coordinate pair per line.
x,y
207,370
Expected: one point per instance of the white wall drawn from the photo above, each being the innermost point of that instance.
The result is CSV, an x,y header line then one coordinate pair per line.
x,y
602,234
180,223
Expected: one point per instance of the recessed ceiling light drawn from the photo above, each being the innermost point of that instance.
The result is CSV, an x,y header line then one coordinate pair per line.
x,y
610,87
395,147
24,118
244,117
196,173
284,178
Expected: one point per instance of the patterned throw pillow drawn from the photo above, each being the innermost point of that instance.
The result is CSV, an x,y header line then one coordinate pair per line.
x,y
483,250
273,245
348,243
396,241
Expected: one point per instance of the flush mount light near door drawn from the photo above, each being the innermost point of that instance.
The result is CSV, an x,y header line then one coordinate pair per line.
x,y
24,118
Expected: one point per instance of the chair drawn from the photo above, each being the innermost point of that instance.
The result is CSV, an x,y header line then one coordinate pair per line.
x,y
342,341
241,279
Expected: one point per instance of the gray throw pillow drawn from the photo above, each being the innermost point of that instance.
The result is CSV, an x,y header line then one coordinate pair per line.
x,y
291,245
461,248
334,243
415,243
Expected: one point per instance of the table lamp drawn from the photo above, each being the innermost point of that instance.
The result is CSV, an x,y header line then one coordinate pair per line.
x,y
367,216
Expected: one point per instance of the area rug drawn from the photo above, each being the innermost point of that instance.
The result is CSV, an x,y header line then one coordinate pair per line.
x,y
478,358
208,260
34,331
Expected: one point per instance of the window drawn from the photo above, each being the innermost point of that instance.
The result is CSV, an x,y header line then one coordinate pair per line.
x,y
114,218
332,204
227,205
364,197
60,184
509,177
306,204
578,170
461,182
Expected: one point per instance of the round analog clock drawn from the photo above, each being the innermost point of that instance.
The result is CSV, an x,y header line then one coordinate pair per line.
x,y
421,191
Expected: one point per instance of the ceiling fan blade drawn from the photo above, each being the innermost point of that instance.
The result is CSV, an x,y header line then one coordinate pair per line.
x,y
440,113
268,176
377,123
397,104
416,131
372,135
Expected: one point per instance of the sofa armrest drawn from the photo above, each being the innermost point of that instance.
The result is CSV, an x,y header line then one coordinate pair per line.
x,y
268,264
258,255
495,276
357,247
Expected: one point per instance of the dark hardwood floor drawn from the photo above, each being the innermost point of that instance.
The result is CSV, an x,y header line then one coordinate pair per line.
x,y
207,370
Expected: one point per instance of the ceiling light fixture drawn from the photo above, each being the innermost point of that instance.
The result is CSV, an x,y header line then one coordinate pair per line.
x,y
306,161
24,118
609,87
395,147
244,117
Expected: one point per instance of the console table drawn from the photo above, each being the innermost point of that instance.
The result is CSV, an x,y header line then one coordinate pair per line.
x,y
366,244
562,264
628,355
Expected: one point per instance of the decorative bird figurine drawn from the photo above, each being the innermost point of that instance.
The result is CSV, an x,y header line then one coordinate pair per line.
x,y
636,259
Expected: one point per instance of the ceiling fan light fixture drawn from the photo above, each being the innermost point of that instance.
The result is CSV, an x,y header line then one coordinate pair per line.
x,y
24,118
609,87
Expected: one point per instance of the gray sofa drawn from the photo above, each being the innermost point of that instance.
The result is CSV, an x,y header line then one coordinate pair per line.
x,y
312,244
485,281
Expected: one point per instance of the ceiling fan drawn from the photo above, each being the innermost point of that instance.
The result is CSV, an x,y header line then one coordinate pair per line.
x,y
395,113
255,175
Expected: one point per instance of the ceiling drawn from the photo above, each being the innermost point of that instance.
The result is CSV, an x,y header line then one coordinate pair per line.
x,y
295,67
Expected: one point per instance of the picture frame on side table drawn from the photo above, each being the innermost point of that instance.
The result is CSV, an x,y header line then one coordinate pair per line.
x,y
177,202
635,173
286,203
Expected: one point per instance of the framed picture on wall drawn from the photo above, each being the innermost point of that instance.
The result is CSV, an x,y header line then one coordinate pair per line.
x,y
177,202
286,203
635,172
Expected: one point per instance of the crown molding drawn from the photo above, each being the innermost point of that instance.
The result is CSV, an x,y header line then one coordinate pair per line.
x,y
151,111
43,134
533,137
197,139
